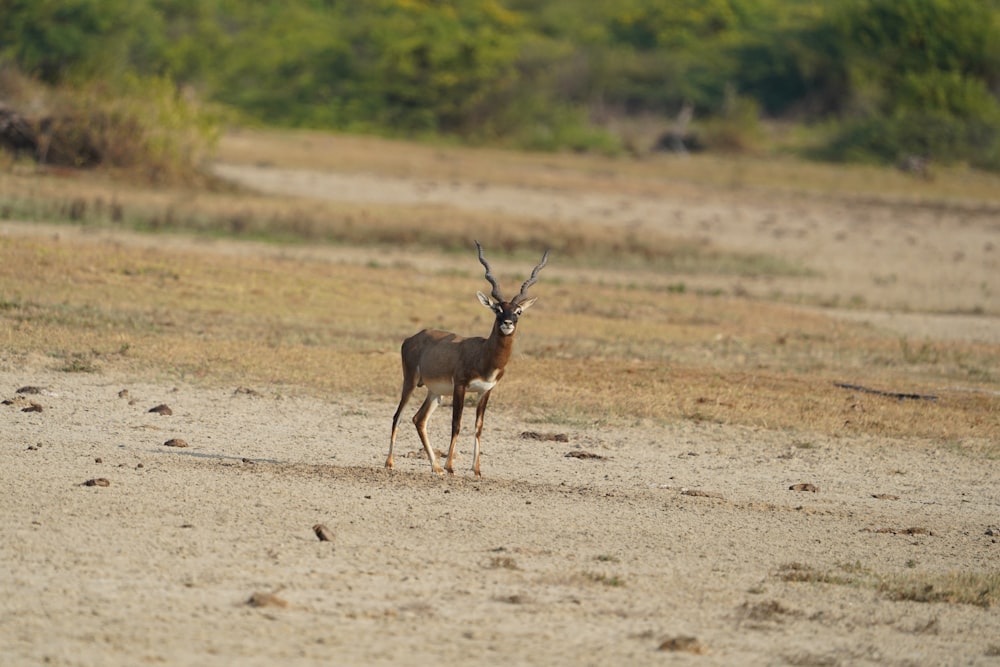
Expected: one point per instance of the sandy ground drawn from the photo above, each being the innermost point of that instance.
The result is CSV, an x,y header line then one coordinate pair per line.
x,y
670,544
548,559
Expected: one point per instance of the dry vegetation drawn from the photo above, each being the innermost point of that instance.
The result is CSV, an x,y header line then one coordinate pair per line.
x,y
981,589
700,399
623,340
303,150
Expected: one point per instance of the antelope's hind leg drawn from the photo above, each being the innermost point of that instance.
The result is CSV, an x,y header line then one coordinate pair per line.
x,y
458,403
408,386
420,421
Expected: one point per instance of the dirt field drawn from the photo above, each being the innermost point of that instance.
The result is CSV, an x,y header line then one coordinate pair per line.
x,y
660,542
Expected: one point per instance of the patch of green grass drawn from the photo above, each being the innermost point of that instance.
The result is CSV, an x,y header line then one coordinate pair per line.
x,y
78,363
924,353
613,581
981,589
799,572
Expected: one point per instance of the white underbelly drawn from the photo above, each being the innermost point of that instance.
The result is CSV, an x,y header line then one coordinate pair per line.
x,y
441,388
480,386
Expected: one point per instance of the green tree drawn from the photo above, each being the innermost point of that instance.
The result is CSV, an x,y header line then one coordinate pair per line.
x,y
920,73
57,40
531,73
407,65
289,65
439,66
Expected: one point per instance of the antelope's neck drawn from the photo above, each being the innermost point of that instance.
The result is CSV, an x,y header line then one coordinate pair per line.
x,y
498,349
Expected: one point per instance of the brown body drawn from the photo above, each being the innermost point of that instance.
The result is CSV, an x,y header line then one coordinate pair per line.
x,y
448,364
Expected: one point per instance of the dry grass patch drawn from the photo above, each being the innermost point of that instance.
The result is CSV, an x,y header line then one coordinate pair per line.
x,y
616,337
232,313
981,589
612,391
99,202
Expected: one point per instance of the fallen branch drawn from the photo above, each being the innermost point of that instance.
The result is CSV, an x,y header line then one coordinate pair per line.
x,y
891,394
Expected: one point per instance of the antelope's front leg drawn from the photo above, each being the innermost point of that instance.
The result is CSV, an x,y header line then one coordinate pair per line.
x,y
458,399
480,412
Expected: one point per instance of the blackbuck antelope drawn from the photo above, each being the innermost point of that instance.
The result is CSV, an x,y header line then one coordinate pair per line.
x,y
447,363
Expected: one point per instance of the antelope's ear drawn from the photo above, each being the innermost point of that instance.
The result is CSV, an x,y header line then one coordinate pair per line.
x,y
526,304
485,300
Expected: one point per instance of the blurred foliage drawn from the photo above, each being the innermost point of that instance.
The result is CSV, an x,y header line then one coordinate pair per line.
x,y
145,125
924,77
892,77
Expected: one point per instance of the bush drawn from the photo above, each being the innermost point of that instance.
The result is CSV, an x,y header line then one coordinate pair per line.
x,y
147,125
934,134
920,81
736,129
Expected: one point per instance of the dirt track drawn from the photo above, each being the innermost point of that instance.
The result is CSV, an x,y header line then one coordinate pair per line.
x,y
688,530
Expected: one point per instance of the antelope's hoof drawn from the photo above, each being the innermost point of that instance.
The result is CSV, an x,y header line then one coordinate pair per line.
x,y
438,469
388,464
